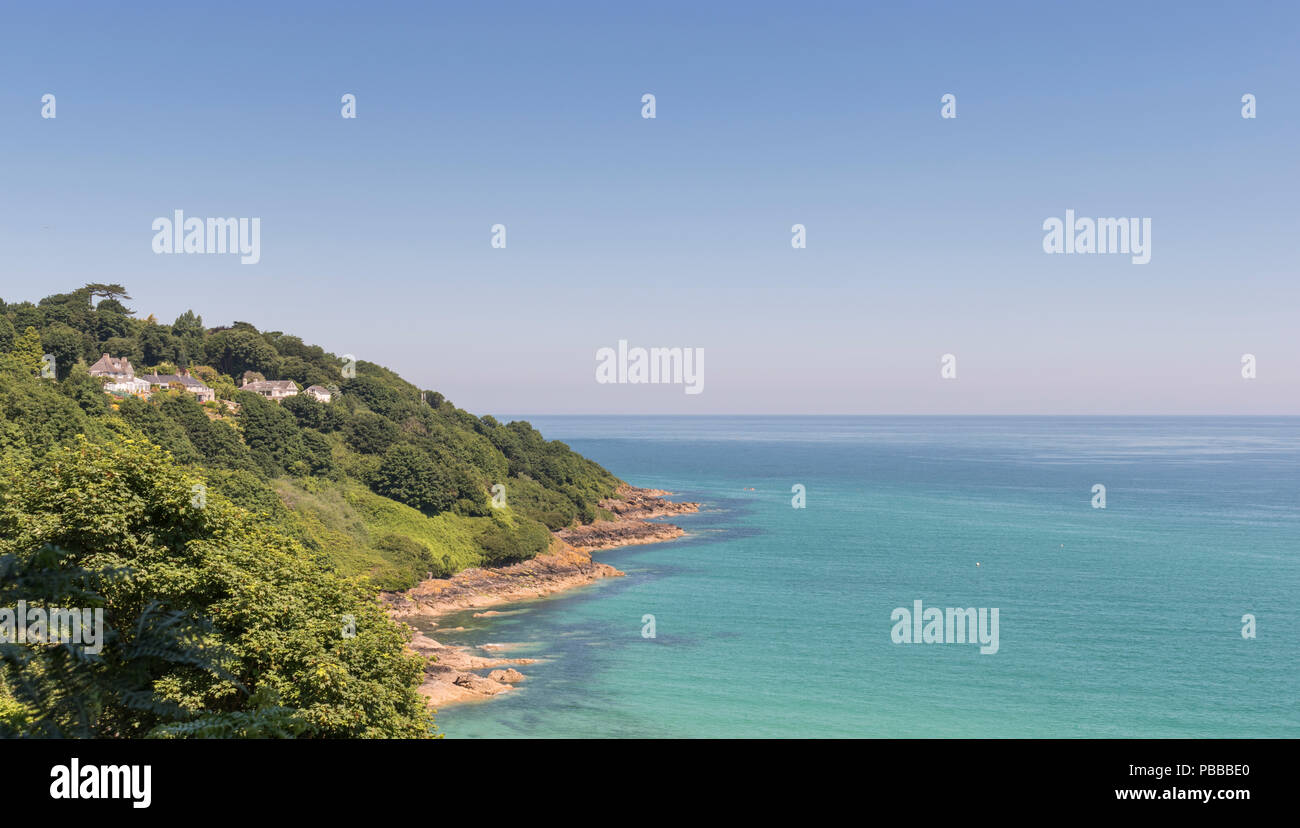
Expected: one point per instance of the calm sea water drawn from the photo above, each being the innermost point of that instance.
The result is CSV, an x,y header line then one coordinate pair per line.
x,y
776,621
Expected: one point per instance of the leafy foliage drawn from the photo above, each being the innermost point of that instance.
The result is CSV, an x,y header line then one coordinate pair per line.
x,y
271,610
308,508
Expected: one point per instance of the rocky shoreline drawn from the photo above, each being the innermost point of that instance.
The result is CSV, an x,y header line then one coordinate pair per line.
x,y
631,524
449,675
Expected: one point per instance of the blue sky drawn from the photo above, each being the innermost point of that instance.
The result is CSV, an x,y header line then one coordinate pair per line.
x,y
924,234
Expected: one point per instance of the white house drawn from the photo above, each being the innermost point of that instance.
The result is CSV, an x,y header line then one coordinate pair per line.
x,y
271,389
120,375
200,390
320,393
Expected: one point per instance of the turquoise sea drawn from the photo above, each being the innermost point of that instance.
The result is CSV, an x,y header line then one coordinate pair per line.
x,y
774,621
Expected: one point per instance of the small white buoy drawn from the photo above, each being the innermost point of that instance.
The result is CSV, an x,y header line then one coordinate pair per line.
x,y
977,563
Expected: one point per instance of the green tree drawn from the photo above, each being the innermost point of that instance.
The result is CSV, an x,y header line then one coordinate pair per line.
x,y
157,345
85,390
276,615
128,348
66,344
71,690
409,476
271,431
160,429
238,350
412,560
110,293
71,309
26,315
35,415
28,350
217,443
188,326
371,434
504,544
316,452
307,410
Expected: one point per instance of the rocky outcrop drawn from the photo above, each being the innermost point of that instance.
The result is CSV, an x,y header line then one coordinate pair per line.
x,y
448,672
632,502
632,509
612,534
560,567
477,684
449,675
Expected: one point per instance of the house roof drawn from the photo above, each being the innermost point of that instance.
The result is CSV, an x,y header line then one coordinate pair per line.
x,y
318,389
168,379
112,365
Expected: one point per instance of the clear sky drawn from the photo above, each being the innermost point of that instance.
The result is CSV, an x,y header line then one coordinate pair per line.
x,y
924,235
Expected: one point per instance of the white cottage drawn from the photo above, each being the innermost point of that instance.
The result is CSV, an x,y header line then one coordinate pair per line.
x,y
201,391
271,389
321,393
120,375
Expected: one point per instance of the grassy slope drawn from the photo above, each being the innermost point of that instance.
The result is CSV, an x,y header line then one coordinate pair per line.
x,y
346,521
